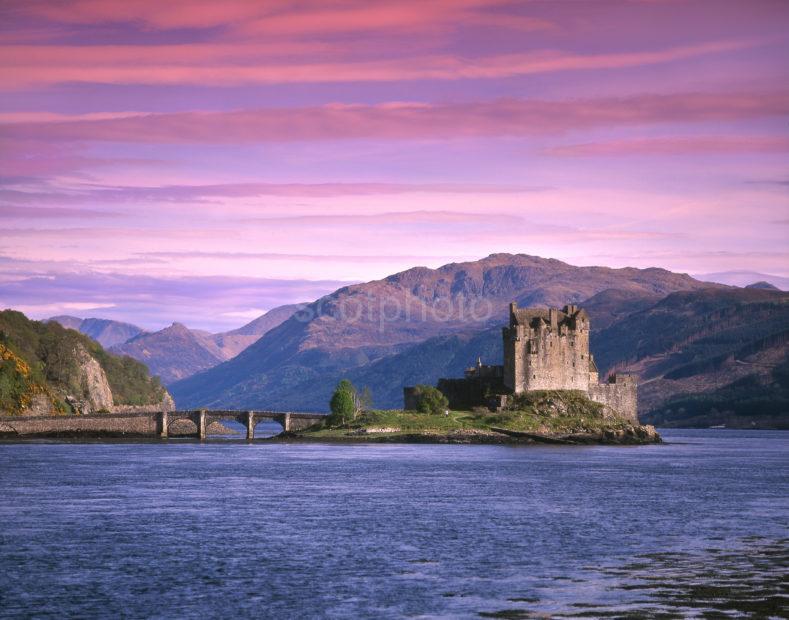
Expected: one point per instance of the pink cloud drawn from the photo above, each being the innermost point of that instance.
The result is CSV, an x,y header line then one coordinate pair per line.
x,y
226,65
16,212
305,17
39,157
732,145
399,121
88,194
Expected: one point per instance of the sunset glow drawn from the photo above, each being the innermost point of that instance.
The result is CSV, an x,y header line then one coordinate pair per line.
x,y
205,161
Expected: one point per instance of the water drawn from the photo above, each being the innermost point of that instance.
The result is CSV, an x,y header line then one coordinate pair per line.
x,y
226,529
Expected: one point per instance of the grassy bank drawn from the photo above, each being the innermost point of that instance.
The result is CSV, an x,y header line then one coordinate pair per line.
x,y
550,414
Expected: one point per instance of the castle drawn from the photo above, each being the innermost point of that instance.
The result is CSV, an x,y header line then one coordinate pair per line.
x,y
544,349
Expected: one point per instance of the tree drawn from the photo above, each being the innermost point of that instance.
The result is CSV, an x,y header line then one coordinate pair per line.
x,y
430,400
347,403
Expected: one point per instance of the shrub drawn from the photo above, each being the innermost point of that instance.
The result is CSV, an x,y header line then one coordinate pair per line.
x,y
430,400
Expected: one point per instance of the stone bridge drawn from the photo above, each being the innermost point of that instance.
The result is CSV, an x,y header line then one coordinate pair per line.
x,y
149,424
202,418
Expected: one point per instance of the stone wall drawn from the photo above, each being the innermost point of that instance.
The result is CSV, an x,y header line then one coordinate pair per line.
x,y
100,425
470,392
619,396
293,423
167,404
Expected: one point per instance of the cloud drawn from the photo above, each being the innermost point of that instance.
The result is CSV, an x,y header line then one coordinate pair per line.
x,y
23,67
23,159
87,193
410,121
399,218
305,17
16,212
154,302
282,256
733,145
56,308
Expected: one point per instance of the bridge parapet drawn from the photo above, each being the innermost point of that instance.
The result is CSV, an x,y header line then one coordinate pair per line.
x,y
146,424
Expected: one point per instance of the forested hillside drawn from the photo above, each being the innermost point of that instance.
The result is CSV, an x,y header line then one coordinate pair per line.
x,y
46,366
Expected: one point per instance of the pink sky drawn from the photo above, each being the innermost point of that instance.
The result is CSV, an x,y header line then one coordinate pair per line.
x,y
203,162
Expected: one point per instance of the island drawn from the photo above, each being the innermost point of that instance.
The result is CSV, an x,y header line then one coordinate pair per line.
x,y
548,417
546,391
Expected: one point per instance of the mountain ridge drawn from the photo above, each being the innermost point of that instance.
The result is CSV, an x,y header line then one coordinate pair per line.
x,y
106,332
301,359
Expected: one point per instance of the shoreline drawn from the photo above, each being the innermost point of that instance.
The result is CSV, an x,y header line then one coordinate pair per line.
x,y
639,436
458,438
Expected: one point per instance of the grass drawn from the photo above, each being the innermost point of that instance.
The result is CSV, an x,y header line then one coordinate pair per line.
x,y
548,412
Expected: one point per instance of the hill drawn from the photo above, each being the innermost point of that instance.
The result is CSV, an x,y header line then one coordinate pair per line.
x,y
296,364
233,342
46,368
104,331
177,352
715,356
764,286
744,278
172,353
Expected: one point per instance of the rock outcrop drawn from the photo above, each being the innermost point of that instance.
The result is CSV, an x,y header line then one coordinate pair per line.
x,y
93,380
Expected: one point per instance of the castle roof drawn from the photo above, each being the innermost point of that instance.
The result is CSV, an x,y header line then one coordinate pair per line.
x,y
533,316
525,316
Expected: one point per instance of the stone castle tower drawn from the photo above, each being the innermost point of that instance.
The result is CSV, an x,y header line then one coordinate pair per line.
x,y
548,349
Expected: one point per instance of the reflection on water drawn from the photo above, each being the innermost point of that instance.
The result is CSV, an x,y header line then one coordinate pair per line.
x,y
749,581
693,528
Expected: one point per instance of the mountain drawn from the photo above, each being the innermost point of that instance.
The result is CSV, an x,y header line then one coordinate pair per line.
x,y
69,322
233,342
743,278
295,365
177,352
763,285
104,331
612,305
46,368
713,356
172,353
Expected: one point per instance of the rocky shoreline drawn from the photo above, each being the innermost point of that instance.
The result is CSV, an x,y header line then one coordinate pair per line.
x,y
637,435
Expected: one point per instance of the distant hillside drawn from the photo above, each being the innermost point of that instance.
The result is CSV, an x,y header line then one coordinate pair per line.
x,y
233,342
612,305
46,368
177,352
703,355
104,331
295,364
744,278
171,353
764,286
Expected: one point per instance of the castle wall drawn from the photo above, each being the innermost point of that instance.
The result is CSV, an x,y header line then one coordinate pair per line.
x,y
556,359
470,392
513,358
619,396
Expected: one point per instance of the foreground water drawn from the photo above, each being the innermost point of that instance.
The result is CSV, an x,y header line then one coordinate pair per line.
x,y
696,527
